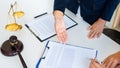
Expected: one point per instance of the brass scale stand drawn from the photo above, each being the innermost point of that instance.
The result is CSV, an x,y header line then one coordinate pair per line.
x,y
13,46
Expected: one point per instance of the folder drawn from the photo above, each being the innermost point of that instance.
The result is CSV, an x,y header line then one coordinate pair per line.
x,y
42,27
58,55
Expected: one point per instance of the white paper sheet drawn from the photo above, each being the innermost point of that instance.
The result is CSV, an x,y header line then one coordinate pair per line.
x,y
43,26
67,56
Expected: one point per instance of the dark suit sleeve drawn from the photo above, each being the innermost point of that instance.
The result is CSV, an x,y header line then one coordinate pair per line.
x,y
109,8
60,5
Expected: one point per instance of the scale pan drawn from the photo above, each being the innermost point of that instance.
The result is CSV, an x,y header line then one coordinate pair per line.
x,y
13,27
18,14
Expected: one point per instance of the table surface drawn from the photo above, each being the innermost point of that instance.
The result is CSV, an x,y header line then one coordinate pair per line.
x,y
33,48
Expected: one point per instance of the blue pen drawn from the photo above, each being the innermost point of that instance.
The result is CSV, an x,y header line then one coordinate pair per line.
x,y
96,58
96,54
40,15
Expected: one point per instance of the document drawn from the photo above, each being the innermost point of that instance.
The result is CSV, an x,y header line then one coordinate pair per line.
x,y
43,27
67,56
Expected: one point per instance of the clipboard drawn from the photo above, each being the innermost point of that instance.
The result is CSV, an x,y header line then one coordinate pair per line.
x,y
84,59
46,33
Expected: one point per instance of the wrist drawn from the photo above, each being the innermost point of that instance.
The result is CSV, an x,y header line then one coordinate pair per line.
x,y
58,15
102,21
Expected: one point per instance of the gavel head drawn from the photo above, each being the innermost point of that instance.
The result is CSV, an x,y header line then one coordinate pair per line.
x,y
13,40
11,46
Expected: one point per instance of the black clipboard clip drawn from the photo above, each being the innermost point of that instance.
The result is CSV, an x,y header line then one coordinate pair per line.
x,y
40,15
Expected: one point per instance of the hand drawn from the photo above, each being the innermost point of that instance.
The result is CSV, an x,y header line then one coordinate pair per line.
x,y
60,30
94,64
112,61
60,27
96,29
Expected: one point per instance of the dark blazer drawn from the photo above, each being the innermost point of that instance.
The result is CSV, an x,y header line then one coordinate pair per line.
x,y
91,10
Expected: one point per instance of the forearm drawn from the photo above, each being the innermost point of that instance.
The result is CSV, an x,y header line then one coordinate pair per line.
x,y
108,9
60,5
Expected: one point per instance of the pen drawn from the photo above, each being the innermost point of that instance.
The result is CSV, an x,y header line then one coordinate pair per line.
x,y
96,54
40,15
96,58
33,33
99,62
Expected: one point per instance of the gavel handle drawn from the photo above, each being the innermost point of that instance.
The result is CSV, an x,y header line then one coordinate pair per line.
x,y
22,60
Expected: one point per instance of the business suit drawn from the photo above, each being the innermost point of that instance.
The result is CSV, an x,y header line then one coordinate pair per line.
x,y
91,10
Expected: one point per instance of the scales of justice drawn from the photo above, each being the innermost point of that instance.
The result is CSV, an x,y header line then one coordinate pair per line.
x,y
13,46
14,14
